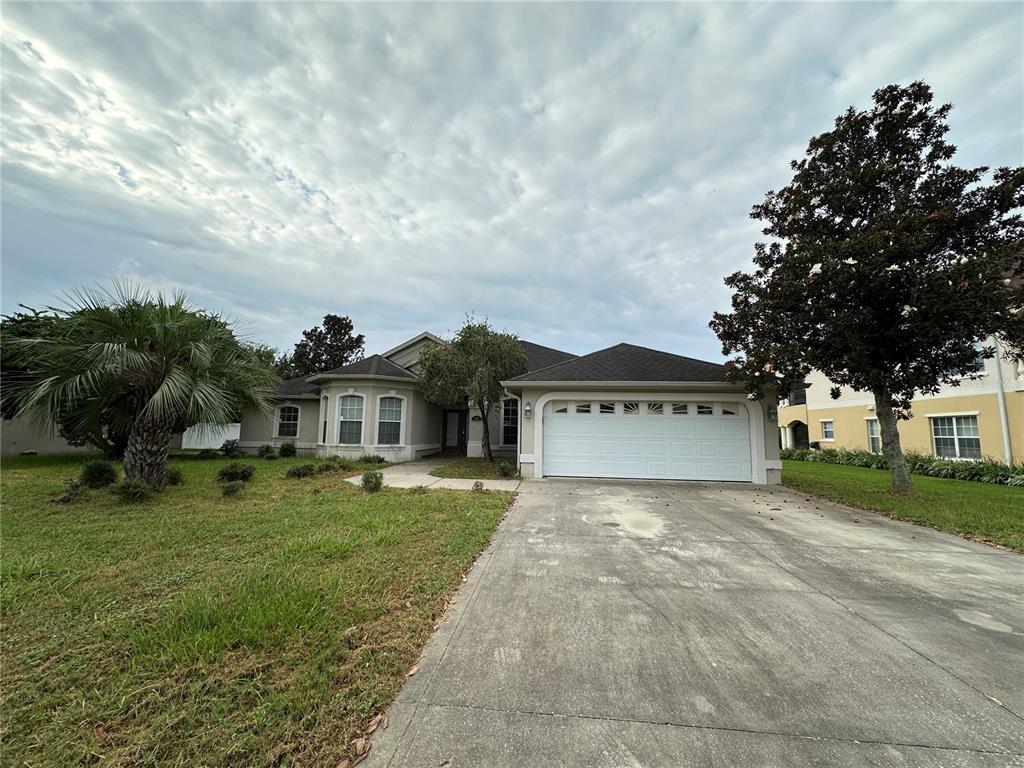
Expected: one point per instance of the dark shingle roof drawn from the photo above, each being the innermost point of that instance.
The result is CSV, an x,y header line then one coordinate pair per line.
x,y
628,362
374,365
538,356
296,387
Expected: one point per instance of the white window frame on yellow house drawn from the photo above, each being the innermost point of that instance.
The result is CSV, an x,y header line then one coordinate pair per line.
x,y
956,437
868,421
832,428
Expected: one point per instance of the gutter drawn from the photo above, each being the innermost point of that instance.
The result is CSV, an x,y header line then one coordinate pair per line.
x,y
1004,422
626,385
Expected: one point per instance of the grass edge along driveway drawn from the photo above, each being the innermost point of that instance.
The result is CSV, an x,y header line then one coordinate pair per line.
x,y
988,513
265,629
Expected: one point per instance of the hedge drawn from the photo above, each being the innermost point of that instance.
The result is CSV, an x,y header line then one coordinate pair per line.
x,y
980,471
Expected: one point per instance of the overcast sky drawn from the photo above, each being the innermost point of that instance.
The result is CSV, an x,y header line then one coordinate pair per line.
x,y
581,175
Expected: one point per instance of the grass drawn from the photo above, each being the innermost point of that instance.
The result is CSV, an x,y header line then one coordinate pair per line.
x,y
991,513
265,629
472,469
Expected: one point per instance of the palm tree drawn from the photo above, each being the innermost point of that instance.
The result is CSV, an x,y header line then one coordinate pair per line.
x,y
158,364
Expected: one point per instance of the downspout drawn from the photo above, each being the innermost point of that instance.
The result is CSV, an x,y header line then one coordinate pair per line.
x,y
1004,422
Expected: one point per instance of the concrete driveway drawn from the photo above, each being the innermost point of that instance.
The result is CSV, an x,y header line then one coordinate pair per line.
x,y
657,624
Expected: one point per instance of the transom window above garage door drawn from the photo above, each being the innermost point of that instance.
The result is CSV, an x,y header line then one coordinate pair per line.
x,y
649,408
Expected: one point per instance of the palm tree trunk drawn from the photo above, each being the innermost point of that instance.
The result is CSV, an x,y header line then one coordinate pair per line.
x,y
891,449
486,439
145,457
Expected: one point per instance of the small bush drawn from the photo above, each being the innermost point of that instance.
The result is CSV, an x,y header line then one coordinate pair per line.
x,y
235,471
174,476
287,450
373,481
505,469
73,490
266,451
230,449
301,470
133,492
336,464
478,487
98,474
232,487
206,454
368,458
980,471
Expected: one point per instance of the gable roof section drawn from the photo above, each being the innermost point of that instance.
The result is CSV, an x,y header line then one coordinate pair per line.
x,y
414,340
538,356
628,362
297,387
374,365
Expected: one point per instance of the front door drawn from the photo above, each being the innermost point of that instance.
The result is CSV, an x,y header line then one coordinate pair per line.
x,y
453,436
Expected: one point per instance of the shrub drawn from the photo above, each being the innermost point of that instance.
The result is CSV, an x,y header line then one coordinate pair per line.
x,y
478,487
287,450
368,458
506,469
266,451
98,474
133,492
336,464
230,449
206,454
174,476
980,471
418,490
373,481
232,487
235,471
301,470
72,492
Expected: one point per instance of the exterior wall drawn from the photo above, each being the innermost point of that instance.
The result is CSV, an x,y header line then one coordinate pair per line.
x,y
409,357
257,429
20,435
475,434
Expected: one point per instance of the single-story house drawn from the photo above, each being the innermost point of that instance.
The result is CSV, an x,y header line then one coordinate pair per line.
x,y
621,412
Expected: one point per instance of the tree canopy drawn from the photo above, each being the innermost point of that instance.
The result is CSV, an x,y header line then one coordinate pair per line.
x,y
888,266
322,348
148,364
470,368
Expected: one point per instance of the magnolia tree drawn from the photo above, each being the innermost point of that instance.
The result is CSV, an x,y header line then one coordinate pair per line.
x,y
470,368
888,265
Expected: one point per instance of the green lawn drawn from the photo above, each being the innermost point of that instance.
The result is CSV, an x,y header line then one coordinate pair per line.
x,y
265,629
993,513
472,469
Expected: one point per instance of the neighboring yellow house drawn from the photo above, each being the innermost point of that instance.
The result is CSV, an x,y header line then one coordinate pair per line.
x,y
982,417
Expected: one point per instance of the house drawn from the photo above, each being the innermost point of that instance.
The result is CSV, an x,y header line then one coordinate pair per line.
x,y
983,416
621,412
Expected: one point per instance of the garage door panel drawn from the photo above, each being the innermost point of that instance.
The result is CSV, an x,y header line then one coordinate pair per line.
x,y
632,449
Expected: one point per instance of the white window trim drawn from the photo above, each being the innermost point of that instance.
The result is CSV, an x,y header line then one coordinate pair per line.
x,y
323,425
501,421
956,436
867,428
277,422
401,429
821,426
337,419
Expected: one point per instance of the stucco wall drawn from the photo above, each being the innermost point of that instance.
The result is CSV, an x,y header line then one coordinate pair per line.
x,y
18,435
257,429
475,434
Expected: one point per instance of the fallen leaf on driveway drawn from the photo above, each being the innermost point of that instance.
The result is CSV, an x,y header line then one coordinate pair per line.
x,y
413,670
373,724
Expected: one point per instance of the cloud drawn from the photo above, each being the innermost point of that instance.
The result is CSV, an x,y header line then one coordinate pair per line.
x,y
580,174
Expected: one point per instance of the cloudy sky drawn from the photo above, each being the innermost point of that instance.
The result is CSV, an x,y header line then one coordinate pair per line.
x,y
579,174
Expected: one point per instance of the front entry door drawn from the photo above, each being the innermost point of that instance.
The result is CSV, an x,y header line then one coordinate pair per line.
x,y
454,428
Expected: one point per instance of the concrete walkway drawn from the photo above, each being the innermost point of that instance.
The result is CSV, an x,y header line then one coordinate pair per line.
x,y
412,474
664,624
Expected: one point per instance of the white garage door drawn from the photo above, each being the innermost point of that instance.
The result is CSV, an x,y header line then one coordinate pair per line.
x,y
670,440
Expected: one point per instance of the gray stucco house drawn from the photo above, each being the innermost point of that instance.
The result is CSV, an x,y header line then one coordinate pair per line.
x,y
621,412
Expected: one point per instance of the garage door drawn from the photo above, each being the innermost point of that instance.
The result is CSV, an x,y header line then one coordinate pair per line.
x,y
666,440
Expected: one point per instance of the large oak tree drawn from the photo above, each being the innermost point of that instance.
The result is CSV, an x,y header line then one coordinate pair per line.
x,y
888,264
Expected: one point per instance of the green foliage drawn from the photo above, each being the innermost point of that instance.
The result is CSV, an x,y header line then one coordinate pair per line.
x,y
367,458
73,491
232,487
287,450
98,474
322,348
206,454
235,471
336,464
174,476
982,471
505,469
373,481
301,470
229,449
133,491
266,451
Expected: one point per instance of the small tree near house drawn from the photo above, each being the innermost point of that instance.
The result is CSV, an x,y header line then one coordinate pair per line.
x,y
889,264
470,368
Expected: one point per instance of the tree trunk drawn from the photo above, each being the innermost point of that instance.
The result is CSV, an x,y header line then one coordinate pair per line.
x,y
891,443
486,439
145,457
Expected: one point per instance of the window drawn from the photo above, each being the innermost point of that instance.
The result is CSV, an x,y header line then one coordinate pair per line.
x,y
389,423
703,409
679,409
655,409
559,406
827,431
631,409
874,436
582,407
606,408
728,410
350,420
288,421
798,397
510,421
323,419
956,437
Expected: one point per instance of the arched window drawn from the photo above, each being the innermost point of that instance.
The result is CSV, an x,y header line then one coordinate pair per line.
x,y
350,419
389,423
288,421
